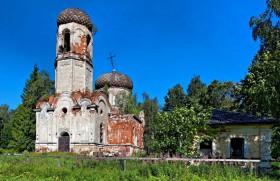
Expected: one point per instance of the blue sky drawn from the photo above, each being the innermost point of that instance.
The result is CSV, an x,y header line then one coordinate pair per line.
x,y
158,43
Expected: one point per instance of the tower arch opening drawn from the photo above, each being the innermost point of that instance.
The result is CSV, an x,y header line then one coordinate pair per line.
x,y
66,38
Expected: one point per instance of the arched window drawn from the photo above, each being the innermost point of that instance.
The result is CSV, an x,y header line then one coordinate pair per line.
x,y
66,36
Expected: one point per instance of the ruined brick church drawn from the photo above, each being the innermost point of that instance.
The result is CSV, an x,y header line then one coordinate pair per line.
x,y
78,119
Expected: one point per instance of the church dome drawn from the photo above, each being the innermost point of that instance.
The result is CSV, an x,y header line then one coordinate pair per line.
x,y
114,79
74,15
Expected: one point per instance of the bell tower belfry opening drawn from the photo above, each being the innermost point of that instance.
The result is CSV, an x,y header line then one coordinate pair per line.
x,y
73,63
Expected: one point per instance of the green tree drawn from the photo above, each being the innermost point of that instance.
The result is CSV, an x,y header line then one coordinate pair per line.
x,y
196,87
174,98
4,125
38,85
23,127
260,89
220,95
4,115
150,108
22,130
181,130
196,92
127,103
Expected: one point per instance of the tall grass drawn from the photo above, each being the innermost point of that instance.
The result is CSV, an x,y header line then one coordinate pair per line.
x,y
84,168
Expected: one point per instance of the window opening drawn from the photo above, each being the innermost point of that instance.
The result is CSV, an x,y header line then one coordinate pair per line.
x,y
64,110
205,149
237,147
101,132
206,145
138,136
64,134
88,39
66,41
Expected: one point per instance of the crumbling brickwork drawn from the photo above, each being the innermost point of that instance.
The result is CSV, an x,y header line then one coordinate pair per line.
x,y
125,130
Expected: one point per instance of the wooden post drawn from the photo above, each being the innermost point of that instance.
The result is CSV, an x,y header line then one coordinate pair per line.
x,y
89,162
124,165
27,158
58,162
136,163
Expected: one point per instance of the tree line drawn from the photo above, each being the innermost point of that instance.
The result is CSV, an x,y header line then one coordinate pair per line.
x,y
17,127
174,128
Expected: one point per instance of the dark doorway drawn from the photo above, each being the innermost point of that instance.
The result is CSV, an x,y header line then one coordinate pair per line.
x,y
237,148
64,142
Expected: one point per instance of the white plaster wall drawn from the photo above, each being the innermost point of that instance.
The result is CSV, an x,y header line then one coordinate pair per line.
x,y
266,144
88,76
79,125
257,140
64,76
79,76
73,75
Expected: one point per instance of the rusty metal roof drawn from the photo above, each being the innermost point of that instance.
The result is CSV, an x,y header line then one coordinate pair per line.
x,y
74,15
221,117
114,79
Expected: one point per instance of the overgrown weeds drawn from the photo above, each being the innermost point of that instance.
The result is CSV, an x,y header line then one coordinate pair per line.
x,y
87,168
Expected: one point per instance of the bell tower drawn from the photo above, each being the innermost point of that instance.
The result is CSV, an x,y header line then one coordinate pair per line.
x,y
74,46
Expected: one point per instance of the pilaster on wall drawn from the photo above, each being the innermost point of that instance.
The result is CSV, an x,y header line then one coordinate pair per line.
x,y
266,144
246,147
214,148
265,148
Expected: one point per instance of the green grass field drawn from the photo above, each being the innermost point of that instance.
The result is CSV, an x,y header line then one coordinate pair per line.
x,y
36,168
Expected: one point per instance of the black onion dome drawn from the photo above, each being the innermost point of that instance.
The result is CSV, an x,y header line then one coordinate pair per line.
x,y
114,79
74,15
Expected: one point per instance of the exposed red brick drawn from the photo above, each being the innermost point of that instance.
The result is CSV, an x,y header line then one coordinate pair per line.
x,y
51,99
124,129
75,111
80,47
